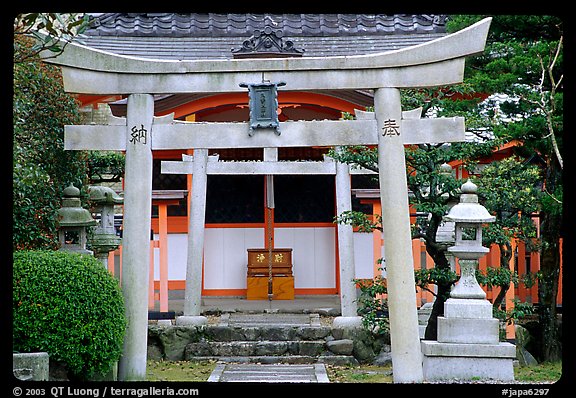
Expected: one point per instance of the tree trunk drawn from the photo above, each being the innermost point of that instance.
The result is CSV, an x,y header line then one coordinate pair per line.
x,y
548,287
550,233
442,295
440,262
505,256
501,296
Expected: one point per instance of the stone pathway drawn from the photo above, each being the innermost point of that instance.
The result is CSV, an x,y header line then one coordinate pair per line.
x,y
269,373
276,373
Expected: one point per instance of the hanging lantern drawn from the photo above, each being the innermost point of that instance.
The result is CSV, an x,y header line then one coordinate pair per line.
x,y
72,220
263,103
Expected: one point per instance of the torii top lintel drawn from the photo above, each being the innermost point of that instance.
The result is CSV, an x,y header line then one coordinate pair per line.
x,y
437,62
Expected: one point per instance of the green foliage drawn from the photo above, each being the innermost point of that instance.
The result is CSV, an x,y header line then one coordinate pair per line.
x,y
523,64
434,276
41,166
496,277
518,312
360,220
509,189
552,202
68,305
58,29
105,166
357,156
431,188
372,307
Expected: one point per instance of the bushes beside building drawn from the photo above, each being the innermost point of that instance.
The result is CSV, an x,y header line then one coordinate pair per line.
x,y
41,166
68,305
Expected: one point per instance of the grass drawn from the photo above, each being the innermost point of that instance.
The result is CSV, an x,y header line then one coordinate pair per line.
x,y
543,372
179,370
359,374
200,371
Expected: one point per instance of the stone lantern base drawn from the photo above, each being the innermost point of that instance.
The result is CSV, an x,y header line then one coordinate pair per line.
x,y
468,346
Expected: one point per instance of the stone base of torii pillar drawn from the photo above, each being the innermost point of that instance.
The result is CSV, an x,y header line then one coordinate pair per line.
x,y
191,320
347,322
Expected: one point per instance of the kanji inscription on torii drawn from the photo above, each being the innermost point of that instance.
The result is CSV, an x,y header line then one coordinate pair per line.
x,y
391,127
435,63
138,135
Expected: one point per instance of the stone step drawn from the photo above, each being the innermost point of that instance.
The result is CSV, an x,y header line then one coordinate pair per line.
x,y
265,332
338,360
266,319
254,348
303,342
270,373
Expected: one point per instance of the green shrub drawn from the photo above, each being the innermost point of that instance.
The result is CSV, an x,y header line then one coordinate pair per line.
x,y
372,306
68,305
41,167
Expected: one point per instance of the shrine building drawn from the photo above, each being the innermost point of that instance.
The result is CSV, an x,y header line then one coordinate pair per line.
x,y
236,219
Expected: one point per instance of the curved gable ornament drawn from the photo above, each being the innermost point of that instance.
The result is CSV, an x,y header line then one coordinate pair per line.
x,y
267,43
437,62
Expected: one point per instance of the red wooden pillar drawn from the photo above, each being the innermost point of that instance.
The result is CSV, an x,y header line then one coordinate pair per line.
x,y
510,293
163,240
163,199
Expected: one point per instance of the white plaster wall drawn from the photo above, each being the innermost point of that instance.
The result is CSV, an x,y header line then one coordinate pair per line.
x,y
225,255
177,249
363,255
313,255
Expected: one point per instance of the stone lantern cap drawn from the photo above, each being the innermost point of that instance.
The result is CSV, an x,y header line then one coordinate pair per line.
x,y
469,210
101,195
72,214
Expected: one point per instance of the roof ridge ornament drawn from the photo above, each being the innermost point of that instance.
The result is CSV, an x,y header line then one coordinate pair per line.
x,y
267,43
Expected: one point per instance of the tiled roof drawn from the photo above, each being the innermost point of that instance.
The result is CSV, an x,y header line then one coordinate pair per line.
x,y
241,25
208,36
174,36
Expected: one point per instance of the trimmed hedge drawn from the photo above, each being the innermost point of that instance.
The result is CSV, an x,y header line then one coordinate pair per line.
x,y
68,305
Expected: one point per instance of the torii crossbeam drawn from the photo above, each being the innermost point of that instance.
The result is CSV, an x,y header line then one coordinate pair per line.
x,y
437,62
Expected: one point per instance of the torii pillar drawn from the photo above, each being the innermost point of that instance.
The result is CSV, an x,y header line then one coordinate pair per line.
x,y
195,254
407,358
136,235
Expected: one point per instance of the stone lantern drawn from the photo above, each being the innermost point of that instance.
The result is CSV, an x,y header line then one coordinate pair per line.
x,y
468,345
104,238
468,217
72,220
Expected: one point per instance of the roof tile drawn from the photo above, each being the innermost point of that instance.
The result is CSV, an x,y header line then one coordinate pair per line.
x,y
213,24
205,36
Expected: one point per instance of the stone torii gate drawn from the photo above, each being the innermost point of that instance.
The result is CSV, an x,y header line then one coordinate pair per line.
x,y
437,62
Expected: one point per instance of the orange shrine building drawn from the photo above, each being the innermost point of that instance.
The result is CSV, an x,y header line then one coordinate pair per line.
x,y
305,206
